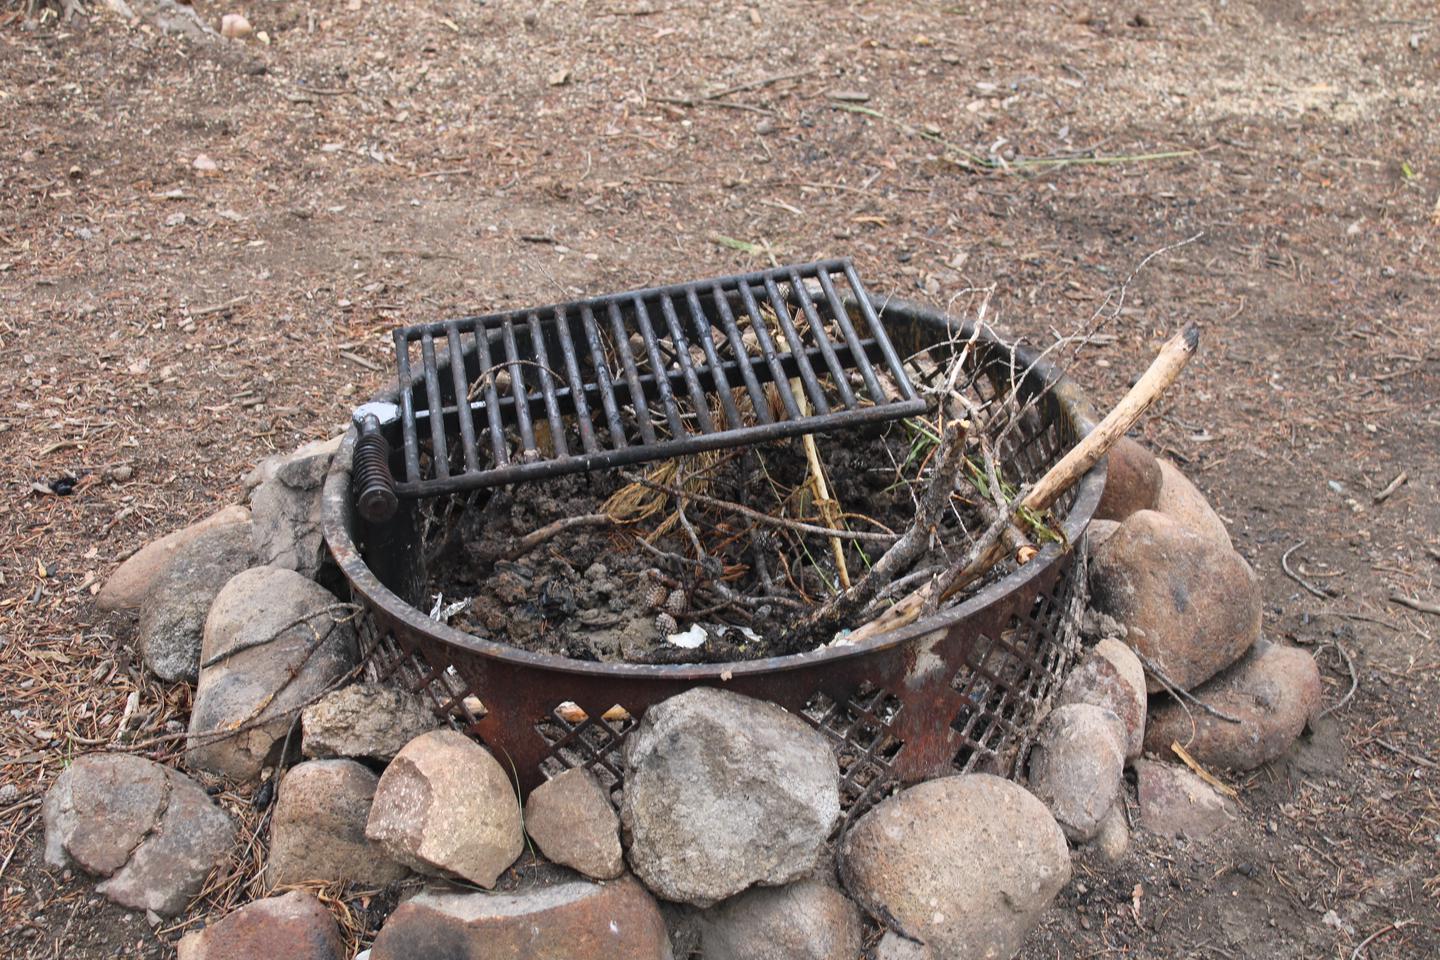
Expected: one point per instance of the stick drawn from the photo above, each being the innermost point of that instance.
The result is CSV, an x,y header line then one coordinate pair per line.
x,y
1354,683
1201,772
1181,695
536,537
756,84
829,509
217,308
914,541
1406,754
1320,592
1397,925
1416,604
1391,487
1163,372
1015,542
744,511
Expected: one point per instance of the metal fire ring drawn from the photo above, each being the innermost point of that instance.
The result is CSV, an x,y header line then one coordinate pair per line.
x,y
959,691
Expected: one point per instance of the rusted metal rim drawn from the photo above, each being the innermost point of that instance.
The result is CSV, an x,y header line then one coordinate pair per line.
x,y
338,515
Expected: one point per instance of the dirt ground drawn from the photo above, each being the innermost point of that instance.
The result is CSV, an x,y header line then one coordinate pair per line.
x,y
380,163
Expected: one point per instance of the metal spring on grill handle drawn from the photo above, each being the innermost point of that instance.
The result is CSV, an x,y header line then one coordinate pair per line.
x,y
370,467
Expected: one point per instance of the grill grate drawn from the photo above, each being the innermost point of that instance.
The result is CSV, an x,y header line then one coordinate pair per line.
x,y
644,375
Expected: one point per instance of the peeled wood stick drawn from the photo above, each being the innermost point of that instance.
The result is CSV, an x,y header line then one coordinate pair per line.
x,y
1163,371
829,509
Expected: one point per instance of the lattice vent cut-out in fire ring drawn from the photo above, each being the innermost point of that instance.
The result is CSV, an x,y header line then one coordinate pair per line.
x,y
860,729
577,739
1007,679
441,686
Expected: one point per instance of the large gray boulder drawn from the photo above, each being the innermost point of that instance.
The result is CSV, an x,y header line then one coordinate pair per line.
x,y
1188,604
369,720
317,830
1273,692
285,507
567,921
293,927
964,865
805,920
172,617
1110,676
724,792
445,807
150,831
274,640
1076,766
127,587
570,819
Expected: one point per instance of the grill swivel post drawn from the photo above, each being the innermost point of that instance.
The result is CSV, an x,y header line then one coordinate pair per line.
x,y
370,466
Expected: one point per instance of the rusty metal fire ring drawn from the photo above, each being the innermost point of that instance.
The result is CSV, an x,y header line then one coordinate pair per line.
x,y
955,692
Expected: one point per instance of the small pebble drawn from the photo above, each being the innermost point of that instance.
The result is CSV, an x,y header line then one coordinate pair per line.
x,y
235,26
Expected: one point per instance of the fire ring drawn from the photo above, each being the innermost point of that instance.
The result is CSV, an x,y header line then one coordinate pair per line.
x,y
956,692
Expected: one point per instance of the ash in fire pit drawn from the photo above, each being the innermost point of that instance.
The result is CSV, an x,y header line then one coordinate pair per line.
x,y
707,558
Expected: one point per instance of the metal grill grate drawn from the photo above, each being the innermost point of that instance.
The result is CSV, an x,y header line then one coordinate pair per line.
x,y
644,375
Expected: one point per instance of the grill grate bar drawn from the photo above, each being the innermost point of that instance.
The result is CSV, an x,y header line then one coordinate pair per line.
x,y
737,344
717,369
807,373
852,339
519,393
407,406
462,392
761,330
439,455
637,395
682,353
652,350
669,367
547,389
868,311
602,374
577,387
498,448
817,328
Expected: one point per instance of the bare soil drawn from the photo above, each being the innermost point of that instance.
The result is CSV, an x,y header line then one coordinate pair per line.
x,y
166,326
